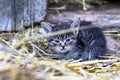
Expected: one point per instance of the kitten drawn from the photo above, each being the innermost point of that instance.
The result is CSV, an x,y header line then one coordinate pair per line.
x,y
85,44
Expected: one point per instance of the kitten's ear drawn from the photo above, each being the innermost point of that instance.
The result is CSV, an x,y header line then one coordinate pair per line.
x,y
46,27
75,27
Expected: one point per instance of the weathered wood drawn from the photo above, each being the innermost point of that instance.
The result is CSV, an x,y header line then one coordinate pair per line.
x,y
107,20
14,14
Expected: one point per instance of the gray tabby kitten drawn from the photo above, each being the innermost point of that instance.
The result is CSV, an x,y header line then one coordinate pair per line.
x,y
85,44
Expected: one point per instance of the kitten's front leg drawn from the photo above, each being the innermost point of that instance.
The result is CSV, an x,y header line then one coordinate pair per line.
x,y
74,55
61,57
88,55
85,56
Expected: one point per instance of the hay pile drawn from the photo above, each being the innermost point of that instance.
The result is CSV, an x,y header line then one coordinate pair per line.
x,y
25,56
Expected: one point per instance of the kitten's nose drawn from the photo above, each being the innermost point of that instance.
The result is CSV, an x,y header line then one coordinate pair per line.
x,y
62,47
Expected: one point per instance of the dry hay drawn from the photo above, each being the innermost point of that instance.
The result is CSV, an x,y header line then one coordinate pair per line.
x,y
18,61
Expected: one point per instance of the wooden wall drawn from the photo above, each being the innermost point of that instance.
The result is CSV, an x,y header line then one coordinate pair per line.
x,y
14,14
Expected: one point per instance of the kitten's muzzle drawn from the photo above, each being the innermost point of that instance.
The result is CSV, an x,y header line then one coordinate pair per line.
x,y
62,47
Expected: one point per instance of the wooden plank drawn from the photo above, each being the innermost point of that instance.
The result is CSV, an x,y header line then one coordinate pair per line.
x,y
14,14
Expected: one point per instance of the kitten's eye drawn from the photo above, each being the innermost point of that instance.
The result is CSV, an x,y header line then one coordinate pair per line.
x,y
67,40
73,38
57,41
50,40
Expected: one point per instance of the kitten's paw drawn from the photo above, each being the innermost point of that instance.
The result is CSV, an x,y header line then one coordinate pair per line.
x,y
87,56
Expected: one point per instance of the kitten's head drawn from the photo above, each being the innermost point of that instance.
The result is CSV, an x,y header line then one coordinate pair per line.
x,y
62,43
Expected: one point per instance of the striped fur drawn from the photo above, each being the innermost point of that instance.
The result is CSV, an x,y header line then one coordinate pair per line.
x,y
89,43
